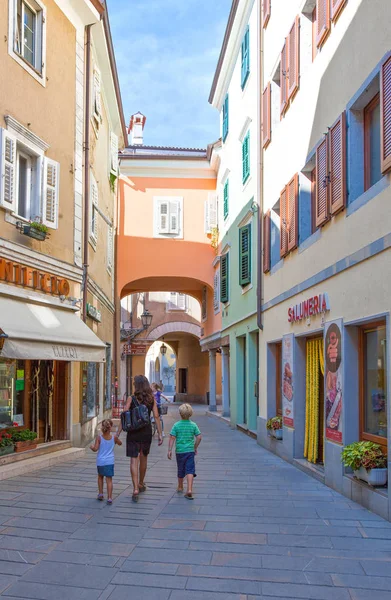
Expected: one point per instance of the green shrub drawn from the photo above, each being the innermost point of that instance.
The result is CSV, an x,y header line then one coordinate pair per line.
x,y
23,435
363,454
274,423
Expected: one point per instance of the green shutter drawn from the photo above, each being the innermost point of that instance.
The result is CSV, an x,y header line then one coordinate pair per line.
x,y
245,255
226,199
245,57
225,118
246,158
224,278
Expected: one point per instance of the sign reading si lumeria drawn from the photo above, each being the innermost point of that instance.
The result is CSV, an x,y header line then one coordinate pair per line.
x,y
308,308
18,274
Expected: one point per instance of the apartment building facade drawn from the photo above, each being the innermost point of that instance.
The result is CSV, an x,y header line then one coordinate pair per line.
x,y
324,352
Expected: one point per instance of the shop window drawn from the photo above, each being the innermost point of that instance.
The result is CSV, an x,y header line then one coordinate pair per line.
x,y
90,389
372,162
278,379
12,392
373,388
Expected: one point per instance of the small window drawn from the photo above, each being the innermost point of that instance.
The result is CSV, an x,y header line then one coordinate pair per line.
x,y
372,161
226,199
245,71
168,216
246,158
28,32
373,372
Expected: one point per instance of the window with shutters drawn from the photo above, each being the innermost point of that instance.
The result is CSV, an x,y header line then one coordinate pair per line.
x,y
372,145
110,249
211,220
226,200
266,11
216,291
289,216
245,63
385,115
94,214
245,255
177,301
224,278
29,182
168,216
266,117
225,118
293,59
284,79
113,153
326,13
27,36
246,158
96,98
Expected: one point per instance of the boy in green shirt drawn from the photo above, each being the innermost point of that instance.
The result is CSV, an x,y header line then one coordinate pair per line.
x,y
187,437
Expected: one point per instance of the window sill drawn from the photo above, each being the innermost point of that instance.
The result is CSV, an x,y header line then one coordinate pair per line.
x,y
307,243
277,266
40,77
246,182
247,288
244,82
93,243
368,195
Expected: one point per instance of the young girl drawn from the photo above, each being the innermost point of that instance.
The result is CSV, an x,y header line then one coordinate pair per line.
x,y
104,446
157,392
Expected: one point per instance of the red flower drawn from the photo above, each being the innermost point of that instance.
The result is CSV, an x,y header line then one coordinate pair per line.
x,y
15,424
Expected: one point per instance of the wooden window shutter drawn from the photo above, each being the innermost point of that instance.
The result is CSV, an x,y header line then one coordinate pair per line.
x,y
321,192
336,8
216,291
225,118
226,199
283,78
266,13
322,20
97,95
245,58
337,165
110,249
245,255
266,241
294,58
174,216
283,223
246,158
114,153
293,213
164,225
224,278
385,115
266,116
50,193
7,170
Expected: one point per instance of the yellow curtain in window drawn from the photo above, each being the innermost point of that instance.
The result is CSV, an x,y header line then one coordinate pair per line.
x,y
315,362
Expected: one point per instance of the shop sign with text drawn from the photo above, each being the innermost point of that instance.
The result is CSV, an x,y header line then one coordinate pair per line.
x,y
309,308
12,272
138,349
94,313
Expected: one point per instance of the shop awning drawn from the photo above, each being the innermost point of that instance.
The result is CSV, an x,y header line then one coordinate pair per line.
x,y
42,332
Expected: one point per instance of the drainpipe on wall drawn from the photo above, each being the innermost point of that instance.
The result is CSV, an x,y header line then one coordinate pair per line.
x,y
117,300
260,185
86,169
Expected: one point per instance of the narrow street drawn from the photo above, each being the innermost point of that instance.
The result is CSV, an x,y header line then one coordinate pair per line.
x,y
258,528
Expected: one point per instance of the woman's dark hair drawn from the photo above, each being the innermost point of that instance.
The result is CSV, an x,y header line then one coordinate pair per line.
x,y
142,391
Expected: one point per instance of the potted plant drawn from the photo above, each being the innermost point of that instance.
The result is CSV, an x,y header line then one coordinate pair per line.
x,y
34,229
274,426
367,461
6,443
24,439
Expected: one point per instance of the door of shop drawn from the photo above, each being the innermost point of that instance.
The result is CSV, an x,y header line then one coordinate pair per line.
x,y
49,399
182,381
314,421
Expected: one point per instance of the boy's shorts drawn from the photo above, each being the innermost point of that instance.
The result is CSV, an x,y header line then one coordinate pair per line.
x,y
106,471
186,464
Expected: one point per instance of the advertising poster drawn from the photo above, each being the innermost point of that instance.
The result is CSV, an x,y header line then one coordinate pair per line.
x,y
333,380
287,380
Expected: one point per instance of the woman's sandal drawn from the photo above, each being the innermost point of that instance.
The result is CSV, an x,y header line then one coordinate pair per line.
x,y
142,488
100,497
135,498
179,490
189,496
109,501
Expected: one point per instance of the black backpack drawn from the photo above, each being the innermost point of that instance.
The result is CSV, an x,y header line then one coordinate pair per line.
x,y
136,417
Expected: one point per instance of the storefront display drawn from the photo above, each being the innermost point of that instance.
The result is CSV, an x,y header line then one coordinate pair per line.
x,y
287,380
314,414
374,383
334,381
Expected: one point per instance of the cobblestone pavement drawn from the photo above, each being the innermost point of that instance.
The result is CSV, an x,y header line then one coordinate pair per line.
x,y
258,529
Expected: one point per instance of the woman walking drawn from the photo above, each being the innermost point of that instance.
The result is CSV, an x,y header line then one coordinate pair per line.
x,y
138,443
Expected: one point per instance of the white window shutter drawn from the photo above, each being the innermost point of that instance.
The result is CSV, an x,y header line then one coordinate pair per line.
x,y
7,170
97,98
216,291
114,153
50,192
206,217
174,216
164,216
212,202
110,249
93,207
181,301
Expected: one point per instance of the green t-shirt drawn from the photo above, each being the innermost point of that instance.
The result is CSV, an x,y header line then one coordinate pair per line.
x,y
184,432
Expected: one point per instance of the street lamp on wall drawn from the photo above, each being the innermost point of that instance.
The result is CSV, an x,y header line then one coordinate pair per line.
x,y
129,332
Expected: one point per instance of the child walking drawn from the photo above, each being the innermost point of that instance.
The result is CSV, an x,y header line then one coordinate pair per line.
x,y
104,446
157,393
187,437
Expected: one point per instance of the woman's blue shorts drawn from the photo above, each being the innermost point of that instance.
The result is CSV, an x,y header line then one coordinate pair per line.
x,y
106,471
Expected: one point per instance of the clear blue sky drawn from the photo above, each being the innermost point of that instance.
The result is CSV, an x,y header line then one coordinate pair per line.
x,y
166,52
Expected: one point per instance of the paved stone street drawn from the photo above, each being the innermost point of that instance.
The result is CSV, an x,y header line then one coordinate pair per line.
x,y
258,528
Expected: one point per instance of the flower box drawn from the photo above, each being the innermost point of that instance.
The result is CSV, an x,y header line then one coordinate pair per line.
x,y
276,433
34,233
27,445
6,450
374,477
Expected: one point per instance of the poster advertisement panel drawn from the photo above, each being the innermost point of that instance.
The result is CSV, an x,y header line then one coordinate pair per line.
x,y
287,380
333,380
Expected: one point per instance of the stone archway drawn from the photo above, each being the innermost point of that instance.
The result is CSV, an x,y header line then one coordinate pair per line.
x,y
175,327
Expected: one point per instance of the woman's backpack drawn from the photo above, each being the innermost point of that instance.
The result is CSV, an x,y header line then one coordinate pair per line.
x,y
135,418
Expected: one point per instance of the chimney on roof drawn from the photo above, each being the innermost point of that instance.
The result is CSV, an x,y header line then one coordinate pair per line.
x,y
136,127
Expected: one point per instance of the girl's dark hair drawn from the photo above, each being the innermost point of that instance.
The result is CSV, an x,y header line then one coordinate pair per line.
x,y
142,391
